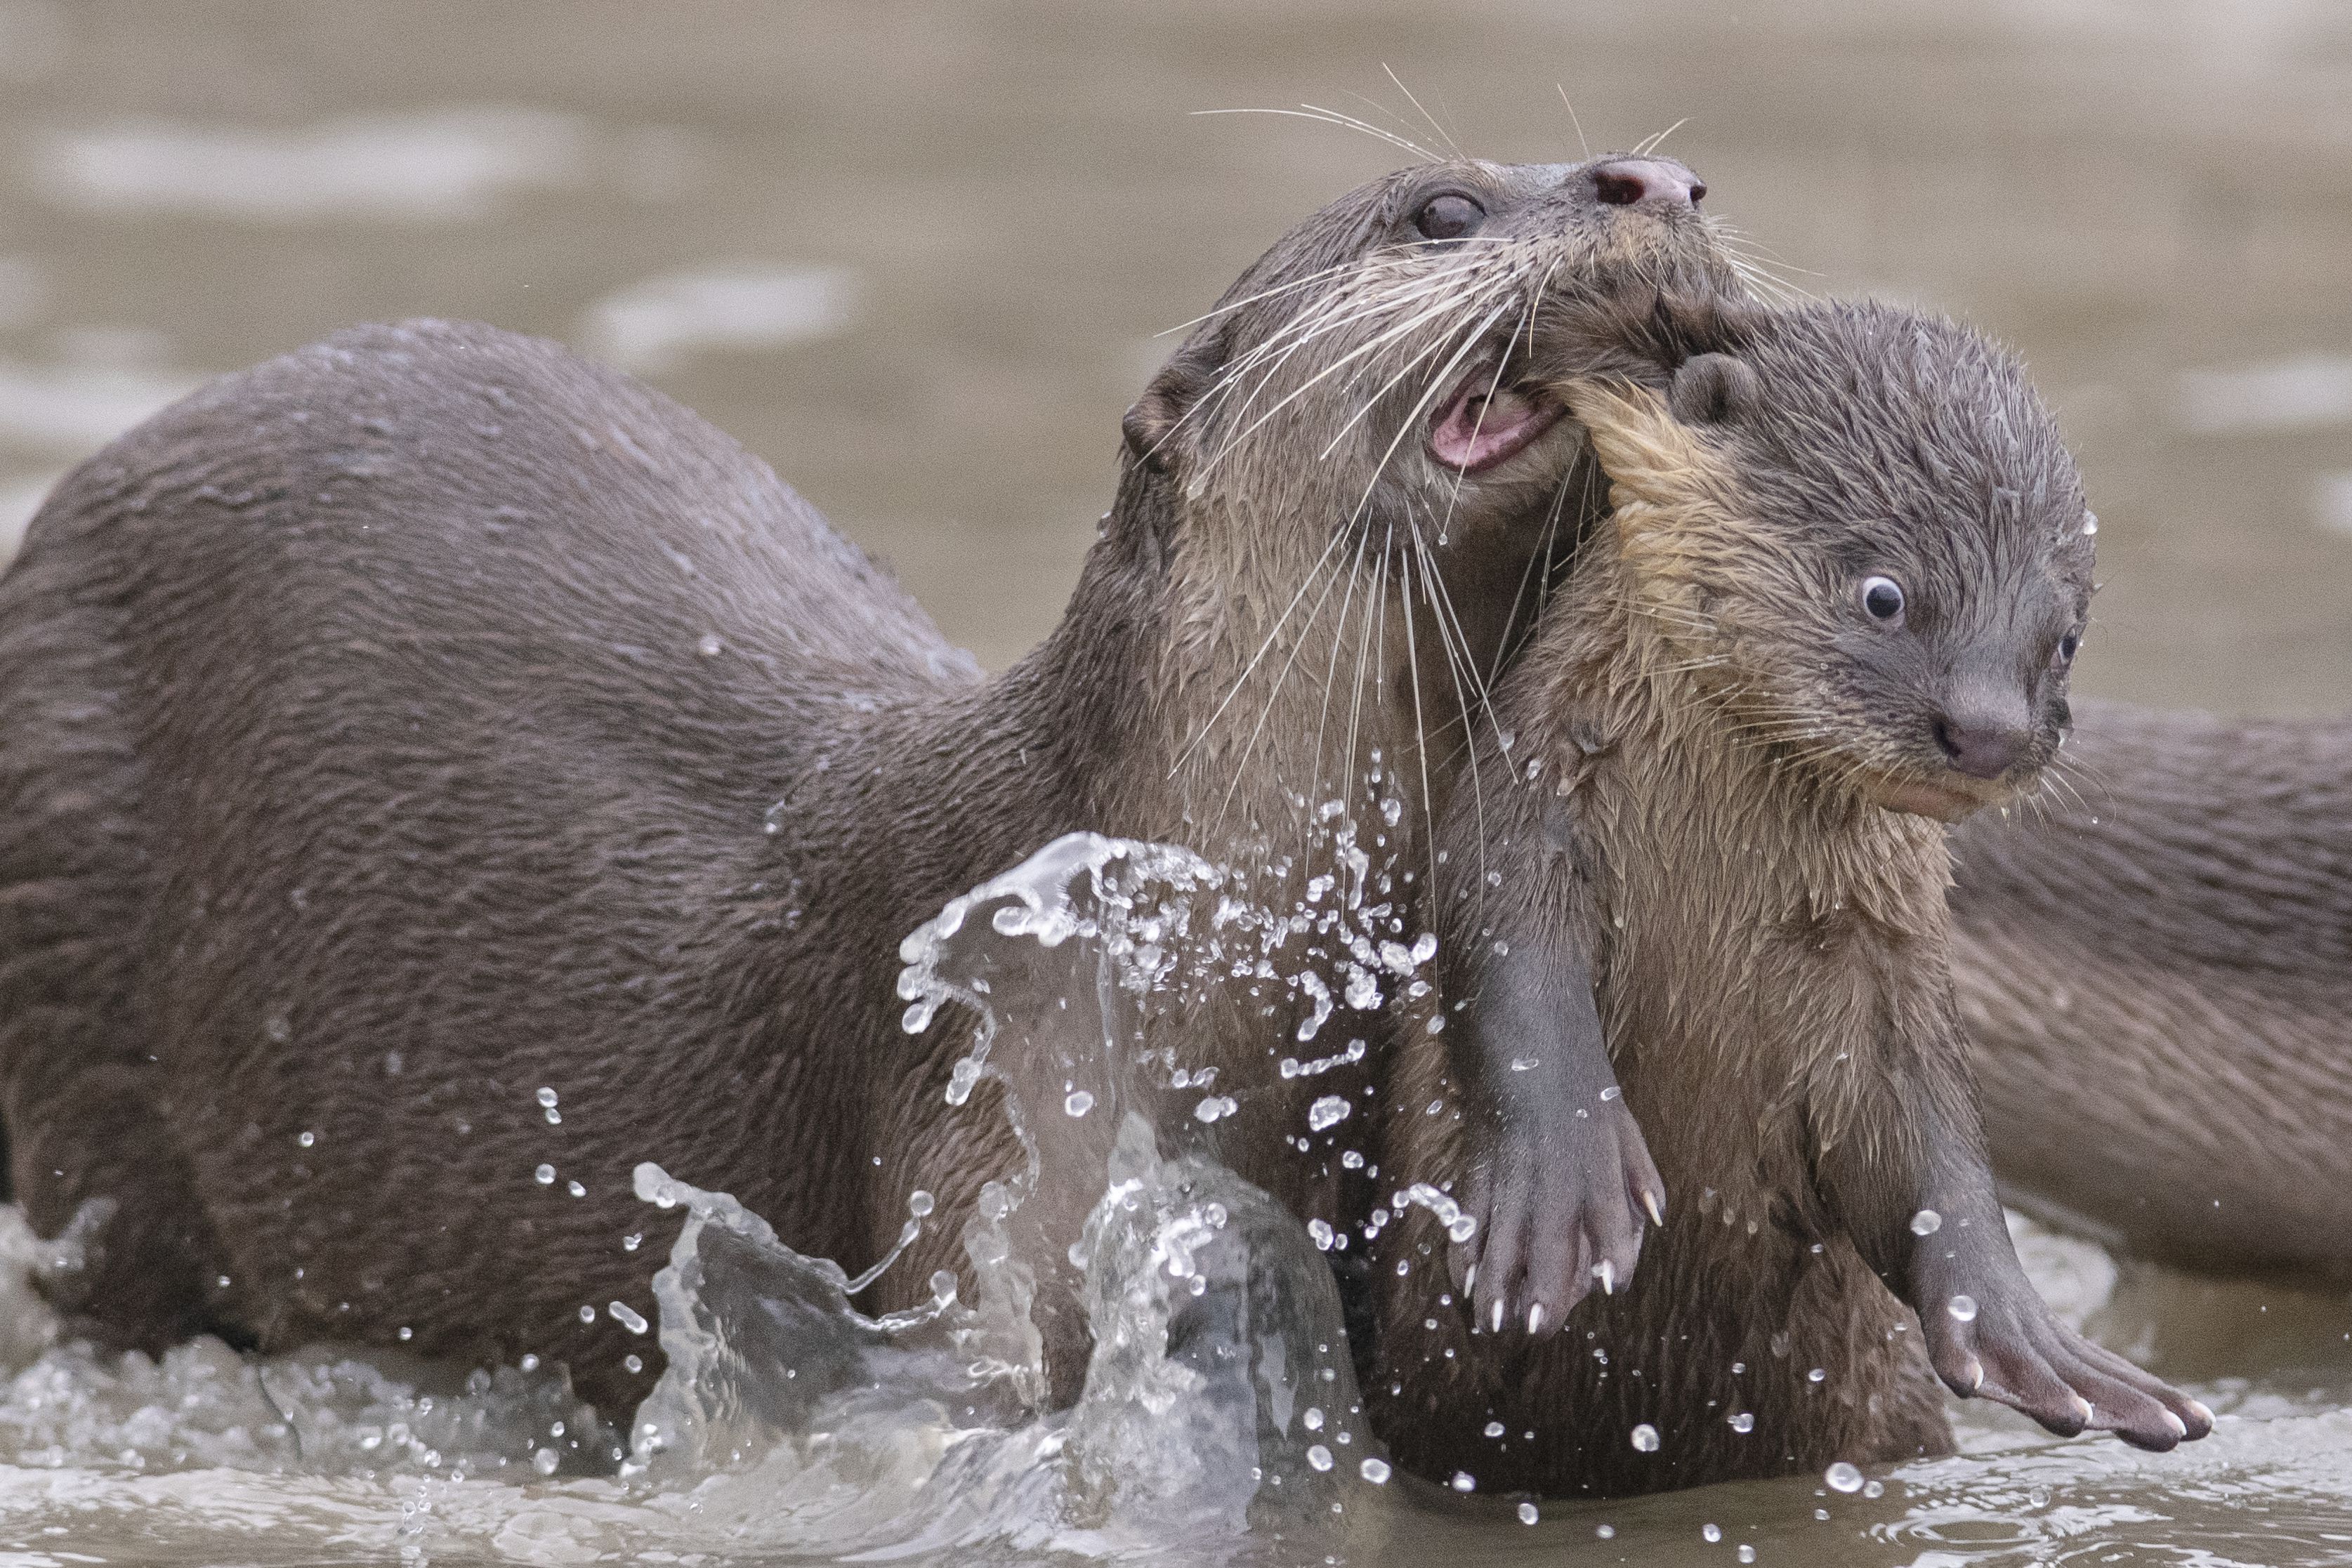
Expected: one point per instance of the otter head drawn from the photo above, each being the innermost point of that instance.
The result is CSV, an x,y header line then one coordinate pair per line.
x,y
1860,532
1347,469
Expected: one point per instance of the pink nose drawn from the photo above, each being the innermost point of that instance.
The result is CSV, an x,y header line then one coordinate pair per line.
x,y
1658,181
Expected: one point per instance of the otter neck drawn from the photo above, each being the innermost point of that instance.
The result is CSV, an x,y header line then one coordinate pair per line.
x,y
1805,849
1235,677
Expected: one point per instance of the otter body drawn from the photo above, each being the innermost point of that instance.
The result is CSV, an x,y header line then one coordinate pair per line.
x,y
429,719
1838,598
2155,966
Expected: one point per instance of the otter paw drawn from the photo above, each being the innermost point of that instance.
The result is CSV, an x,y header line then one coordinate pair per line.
x,y
2010,1350
1559,1213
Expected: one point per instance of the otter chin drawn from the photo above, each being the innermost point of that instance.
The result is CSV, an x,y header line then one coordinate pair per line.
x,y
1946,801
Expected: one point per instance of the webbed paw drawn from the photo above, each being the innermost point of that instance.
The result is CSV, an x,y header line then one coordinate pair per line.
x,y
1559,1212
2007,1347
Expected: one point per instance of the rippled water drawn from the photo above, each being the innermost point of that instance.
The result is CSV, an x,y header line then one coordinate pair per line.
x,y
916,255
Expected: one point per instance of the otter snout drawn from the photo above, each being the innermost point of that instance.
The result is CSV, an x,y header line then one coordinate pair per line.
x,y
1982,742
1646,182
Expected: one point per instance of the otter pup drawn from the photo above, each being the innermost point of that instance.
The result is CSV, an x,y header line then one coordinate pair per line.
x,y
1834,607
437,773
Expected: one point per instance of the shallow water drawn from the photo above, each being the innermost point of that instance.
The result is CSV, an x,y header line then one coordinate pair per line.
x,y
916,253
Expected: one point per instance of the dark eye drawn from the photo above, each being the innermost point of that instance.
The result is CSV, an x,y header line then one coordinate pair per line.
x,y
2066,647
1449,216
1882,599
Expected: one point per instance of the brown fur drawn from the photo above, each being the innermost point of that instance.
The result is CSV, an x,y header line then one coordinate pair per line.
x,y
386,733
2154,962
1697,830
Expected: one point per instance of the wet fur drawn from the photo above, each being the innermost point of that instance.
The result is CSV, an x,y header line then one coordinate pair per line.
x,y
1768,948
362,769
2154,962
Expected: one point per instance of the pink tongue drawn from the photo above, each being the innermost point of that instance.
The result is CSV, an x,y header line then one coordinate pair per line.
x,y
1477,430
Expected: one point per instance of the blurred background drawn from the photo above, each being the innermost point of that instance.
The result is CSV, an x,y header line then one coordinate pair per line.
x,y
919,255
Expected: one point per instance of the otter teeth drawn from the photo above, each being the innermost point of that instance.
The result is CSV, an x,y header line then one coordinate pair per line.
x,y
1606,1272
1534,1318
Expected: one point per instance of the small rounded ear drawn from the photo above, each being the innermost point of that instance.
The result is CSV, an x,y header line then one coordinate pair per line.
x,y
1711,389
1157,428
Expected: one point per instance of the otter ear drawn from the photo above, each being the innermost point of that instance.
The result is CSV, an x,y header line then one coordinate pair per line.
x,y
1157,429
1714,388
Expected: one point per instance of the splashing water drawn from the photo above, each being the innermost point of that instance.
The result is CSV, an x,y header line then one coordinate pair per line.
x,y
1218,1419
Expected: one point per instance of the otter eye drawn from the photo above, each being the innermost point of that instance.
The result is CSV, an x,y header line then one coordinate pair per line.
x,y
1449,216
1882,599
2066,647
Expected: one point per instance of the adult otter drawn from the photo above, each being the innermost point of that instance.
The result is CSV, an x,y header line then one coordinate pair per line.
x,y
1838,601
386,734
2156,965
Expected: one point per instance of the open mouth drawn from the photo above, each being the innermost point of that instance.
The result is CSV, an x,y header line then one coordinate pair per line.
x,y
1483,423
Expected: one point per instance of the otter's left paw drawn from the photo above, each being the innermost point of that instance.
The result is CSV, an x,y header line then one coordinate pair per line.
x,y
1559,1212
2008,1348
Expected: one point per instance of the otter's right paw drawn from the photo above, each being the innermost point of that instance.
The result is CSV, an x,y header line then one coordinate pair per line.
x,y
1560,1211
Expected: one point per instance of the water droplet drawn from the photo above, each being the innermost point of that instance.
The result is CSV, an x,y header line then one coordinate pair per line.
x,y
1927,1222
587,1314
1493,1428
1842,1476
1215,1107
627,1317
1816,1376
2090,523
544,1176
771,824
575,1189
1874,1489
1077,1102
1524,1064
1319,1457
1464,1481
1710,1533
1321,1233
544,1461
919,1203
632,1240
1606,1531
1645,1439
306,1139
278,1029
711,647
1313,1420
633,1362
1328,1111
1962,1307
1528,1515
529,1363
407,1334
1746,1553
1375,1471
1744,1423
547,1098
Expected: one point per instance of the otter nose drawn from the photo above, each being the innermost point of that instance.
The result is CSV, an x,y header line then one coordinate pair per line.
x,y
1655,182
1980,741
